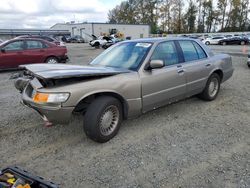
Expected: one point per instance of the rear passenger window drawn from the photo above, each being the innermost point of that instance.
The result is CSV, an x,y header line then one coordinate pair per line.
x,y
189,51
200,51
166,52
34,45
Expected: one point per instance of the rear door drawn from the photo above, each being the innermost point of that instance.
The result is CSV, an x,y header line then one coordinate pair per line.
x,y
164,85
35,51
11,55
196,65
217,39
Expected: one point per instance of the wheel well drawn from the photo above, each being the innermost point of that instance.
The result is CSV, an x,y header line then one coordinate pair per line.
x,y
84,103
50,57
220,73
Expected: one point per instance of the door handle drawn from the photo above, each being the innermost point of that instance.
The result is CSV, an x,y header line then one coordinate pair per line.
x,y
208,65
180,71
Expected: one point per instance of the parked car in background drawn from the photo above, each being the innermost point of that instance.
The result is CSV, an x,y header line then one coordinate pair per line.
x,y
228,36
20,51
66,39
102,40
126,80
43,37
76,39
234,40
212,40
111,41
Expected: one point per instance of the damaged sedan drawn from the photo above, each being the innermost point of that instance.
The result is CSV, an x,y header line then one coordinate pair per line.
x,y
126,80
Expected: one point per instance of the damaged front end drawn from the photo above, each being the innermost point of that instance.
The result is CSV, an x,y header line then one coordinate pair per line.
x,y
42,87
21,82
48,105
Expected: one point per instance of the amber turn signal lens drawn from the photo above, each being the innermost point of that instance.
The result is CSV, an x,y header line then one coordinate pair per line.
x,y
41,97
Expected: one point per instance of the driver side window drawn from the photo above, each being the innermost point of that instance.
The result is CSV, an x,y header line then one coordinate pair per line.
x,y
166,52
14,46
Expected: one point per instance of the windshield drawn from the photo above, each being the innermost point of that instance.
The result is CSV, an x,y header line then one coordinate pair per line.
x,y
126,55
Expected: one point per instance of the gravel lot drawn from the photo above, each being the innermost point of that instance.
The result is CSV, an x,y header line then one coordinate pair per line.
x,y
188,144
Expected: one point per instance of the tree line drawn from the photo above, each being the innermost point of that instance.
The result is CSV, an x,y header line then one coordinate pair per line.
x,y
181,16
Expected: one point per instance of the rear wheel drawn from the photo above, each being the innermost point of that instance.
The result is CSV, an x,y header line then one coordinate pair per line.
x,y
242,43
52,60
207,43
224,43
103,118
212,88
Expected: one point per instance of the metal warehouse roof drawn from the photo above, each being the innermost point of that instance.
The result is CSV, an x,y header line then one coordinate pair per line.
x,y
32,31
95,23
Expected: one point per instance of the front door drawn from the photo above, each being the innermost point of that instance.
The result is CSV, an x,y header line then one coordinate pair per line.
x,y
11,55
164,85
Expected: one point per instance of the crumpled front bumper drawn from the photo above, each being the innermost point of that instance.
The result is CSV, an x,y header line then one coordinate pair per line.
x,y
56,114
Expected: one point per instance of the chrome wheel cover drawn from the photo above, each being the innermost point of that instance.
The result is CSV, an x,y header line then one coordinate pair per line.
x,y
52,61
213,87
109,120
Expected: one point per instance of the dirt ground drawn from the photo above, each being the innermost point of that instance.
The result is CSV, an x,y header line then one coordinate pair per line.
x,y
188,144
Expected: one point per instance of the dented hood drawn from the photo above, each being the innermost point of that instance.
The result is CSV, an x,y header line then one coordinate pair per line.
x,y
60,71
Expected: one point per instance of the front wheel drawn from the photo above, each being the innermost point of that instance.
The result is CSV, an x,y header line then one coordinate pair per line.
x,y
207,43
212,88
52,60
103,118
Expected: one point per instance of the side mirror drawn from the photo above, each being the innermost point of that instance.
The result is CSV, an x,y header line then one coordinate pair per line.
x,y
3,50
155,64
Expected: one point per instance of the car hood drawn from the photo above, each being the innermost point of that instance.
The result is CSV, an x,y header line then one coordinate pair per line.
x,y
94,37
61,71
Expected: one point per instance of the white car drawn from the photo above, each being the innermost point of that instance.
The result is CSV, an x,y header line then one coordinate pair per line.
x,y
213,40
102,40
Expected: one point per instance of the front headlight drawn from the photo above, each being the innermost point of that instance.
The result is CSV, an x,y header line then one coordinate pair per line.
x,y
50,97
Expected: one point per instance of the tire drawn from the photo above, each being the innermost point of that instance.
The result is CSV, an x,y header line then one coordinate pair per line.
x,y
248,64
207,94
207,43
242,43
224,43
103,119
97,45
52,60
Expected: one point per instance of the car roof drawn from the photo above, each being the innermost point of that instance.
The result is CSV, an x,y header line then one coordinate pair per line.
x,y
165,39
35,36
24,39
160,39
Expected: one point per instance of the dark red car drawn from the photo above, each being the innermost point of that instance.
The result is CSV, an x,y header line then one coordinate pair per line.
x,y
47,38
28,51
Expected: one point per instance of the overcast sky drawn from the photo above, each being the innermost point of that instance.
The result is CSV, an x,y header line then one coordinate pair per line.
x,y
45,13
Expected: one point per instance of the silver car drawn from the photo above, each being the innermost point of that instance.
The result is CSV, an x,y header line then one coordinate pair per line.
x,y
128,79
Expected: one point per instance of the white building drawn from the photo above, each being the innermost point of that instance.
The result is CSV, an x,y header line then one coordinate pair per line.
x,y
87,29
